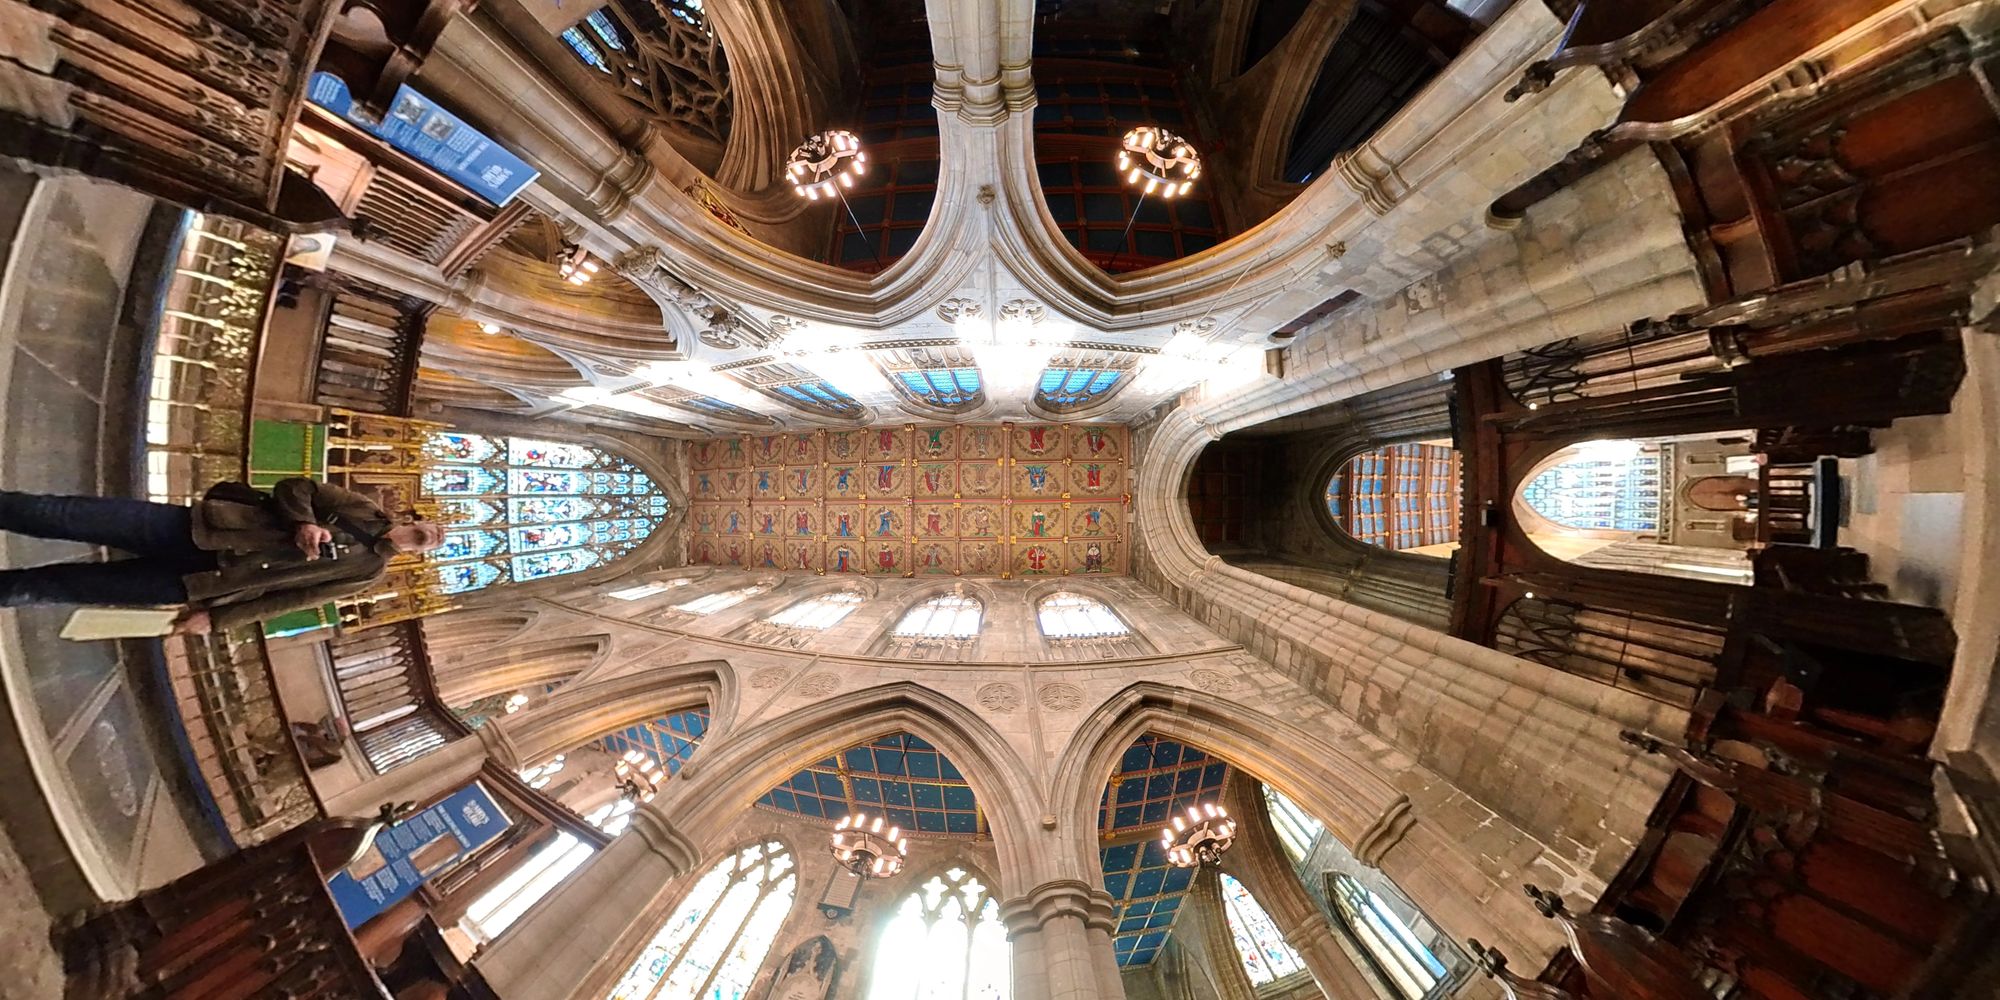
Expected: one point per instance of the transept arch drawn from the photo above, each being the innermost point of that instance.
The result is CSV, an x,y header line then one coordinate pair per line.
x,y
502,668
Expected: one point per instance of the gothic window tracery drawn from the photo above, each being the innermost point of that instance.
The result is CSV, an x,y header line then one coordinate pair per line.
x,y
938,377
520,509
721,600
1084,626
798,622
946,942
662,55
499,907
1266,956
1296,828
716,939
1608,486
802,389
1081,380
1410,967
942,626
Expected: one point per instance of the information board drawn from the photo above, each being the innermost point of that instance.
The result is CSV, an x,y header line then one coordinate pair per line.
x,y
407,853
433,136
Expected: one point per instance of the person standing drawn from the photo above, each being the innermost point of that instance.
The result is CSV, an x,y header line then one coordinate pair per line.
x,y
236,557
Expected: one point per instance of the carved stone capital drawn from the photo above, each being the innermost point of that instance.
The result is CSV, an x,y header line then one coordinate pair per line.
x,y
1385,833
1068,897
500,746
663,839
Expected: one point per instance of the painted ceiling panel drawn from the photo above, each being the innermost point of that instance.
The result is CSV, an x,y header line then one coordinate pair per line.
x,y
899,777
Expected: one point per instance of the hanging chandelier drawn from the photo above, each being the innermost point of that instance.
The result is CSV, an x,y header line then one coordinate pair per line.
x,y
1161,161
861,846
826,162
639,776
1200,838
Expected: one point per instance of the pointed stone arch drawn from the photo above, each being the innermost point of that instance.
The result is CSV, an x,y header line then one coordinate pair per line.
x,y
503,667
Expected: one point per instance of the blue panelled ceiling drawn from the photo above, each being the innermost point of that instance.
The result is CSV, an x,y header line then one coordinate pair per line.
x,y
899,777
1155,778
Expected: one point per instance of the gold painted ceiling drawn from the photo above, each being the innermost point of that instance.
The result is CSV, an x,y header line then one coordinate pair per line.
x,y
987,500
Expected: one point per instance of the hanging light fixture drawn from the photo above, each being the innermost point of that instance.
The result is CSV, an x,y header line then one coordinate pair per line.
x,y
576,266
639,776
1159,161
861,846
825,163
1199,838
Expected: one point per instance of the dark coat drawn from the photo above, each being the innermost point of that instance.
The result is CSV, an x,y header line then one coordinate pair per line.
x,y
261,573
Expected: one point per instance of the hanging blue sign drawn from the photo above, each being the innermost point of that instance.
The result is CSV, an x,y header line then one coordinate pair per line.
x,y
407,853
434,137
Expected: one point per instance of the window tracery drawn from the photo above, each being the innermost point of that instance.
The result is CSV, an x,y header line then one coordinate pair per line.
x,y
1296,828
716,939
1082,380
521,509
1266,956
802,389
1412,968
943,624
946,942
721,600
1609,486
662,55
798,622
499,907
943,378
1074,623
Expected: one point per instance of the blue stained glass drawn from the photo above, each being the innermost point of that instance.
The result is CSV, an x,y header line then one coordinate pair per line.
x,y
457,578
820,396
551,454
536,537
585,50
470,513
1619,493
530,510
536,565
452,480
1065,387
469,545
601,26
942,386
469,448
547,481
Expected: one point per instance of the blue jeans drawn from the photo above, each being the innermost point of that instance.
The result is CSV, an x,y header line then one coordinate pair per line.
x,y
159,534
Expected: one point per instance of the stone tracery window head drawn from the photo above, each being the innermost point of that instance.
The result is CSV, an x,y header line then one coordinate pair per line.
x,y
945,942
1077,626
662,55
1402,497
796,624
1267,957
1297,830
939,378
1079,380
801,390
940,626
1605,486
518,509
717,938
1396,949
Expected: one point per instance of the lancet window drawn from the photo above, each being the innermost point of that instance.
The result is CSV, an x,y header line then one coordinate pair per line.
x,y
721,600
800,621
717,938
1083,627
498,908
520,509
1082,380
946,942
1266,956
939,627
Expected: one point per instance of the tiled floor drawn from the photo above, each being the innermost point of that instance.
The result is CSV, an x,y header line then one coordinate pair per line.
x,y
107,792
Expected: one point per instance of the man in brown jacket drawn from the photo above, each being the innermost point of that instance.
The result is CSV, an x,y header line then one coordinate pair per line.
x,y
238,556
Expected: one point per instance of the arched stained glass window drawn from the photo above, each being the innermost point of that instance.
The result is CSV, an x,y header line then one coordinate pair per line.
x,y
946,942
1266,956
721,600
818,613
1078,380
1297,829
499,907
800,388
713,945
1395,950
1399,497
520,509
946,616
940,378
1064,615
1608,486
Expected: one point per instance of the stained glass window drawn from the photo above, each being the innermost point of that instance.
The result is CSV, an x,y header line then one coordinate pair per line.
x,y
946,942
708,604
1266,956
716,939
941,378
946,616
1399,497
1073,381
1608,486
800,388
519,509
818,613
1296,828
1395,950
499,907
1073,616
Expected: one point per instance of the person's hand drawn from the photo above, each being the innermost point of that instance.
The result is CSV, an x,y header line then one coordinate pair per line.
x,y
309,537
194,622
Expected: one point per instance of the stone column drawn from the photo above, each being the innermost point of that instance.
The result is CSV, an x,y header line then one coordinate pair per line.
x,y
1208,935
558,942
1061,933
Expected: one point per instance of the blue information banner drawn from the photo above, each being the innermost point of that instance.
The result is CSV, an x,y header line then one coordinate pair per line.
x,y
435,137
407,853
